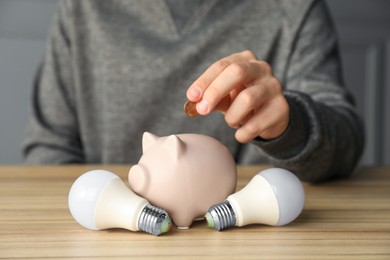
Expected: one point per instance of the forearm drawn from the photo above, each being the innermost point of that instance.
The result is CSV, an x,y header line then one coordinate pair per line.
x,y
47,141
321,142
52,135
40,153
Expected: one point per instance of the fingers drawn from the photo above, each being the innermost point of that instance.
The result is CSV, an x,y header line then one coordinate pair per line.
x,y
268,122
246,91
247,101
198,88
236,75
259,110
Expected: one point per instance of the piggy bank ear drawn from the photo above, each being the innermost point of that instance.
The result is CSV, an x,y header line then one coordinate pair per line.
x,y
138,178
175,146
148,139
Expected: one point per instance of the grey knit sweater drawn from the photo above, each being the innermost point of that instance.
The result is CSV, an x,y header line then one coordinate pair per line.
x,y
115,69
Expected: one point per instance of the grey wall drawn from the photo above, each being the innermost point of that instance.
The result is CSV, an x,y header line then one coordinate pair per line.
x,y
363,27
23,28
364,32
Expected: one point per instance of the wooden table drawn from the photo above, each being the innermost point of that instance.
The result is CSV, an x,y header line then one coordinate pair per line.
x,y
347,219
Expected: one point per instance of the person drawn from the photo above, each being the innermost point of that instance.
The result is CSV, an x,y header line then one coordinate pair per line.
x,y
265,76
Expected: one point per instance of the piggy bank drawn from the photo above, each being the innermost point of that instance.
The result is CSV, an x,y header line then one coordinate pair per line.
x,y
184,174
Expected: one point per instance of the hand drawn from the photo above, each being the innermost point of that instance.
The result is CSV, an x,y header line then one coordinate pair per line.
x,y
245,90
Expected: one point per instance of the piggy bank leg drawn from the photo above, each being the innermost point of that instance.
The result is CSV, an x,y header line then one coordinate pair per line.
x,y
183,228
182,221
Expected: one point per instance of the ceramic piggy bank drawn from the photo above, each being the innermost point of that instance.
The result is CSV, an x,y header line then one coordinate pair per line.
x,y
184,174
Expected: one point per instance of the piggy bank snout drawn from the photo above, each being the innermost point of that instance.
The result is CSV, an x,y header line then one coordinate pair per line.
x,y
138,178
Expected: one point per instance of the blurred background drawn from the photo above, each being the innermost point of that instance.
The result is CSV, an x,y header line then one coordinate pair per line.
x,y
364,32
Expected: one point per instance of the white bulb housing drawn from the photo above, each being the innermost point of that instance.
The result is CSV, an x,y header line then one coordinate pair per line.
x,y
99,200
274,197
288,191
85,194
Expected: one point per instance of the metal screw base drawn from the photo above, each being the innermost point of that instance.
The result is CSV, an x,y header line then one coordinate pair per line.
x,y
154,220
221,216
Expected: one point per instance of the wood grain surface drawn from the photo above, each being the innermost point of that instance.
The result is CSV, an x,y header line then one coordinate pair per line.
x,y
345,219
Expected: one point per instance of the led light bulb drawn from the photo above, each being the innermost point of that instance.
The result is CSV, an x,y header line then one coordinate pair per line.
x,y
274,197
99,199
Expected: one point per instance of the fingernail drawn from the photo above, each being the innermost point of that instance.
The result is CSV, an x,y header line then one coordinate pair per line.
x,y
194,92
202,106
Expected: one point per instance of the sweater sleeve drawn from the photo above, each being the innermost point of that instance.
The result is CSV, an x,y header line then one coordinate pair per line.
x,y
52,134
325,137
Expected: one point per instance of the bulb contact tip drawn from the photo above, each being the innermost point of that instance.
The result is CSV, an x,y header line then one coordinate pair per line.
x,y
210,220
154,220
166,225
221,216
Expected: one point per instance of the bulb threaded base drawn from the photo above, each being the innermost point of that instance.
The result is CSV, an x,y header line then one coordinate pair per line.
x,y
154,220
221,216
